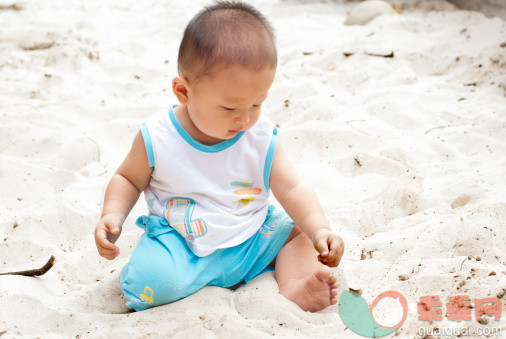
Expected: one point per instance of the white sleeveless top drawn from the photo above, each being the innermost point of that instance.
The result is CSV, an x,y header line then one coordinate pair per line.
x,y
214,196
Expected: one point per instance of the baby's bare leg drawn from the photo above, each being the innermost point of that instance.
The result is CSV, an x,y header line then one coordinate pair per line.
x,y
301,277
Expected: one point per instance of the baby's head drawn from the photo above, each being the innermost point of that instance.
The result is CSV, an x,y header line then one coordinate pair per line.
x,y
227,62
223,35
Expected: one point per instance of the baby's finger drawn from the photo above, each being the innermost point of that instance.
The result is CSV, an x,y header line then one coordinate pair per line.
x,y
113,227
325,259
108,250
336,245
332,254
111,248
109,256
108,253
101,239
322,248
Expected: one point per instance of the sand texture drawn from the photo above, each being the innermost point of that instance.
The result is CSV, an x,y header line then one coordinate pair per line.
x,y
407,154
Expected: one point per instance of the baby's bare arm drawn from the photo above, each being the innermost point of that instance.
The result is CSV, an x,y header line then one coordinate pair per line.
x,y
131,178
302,205
296,196
123,191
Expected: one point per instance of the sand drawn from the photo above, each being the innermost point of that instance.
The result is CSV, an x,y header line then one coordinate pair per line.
x,y
407,155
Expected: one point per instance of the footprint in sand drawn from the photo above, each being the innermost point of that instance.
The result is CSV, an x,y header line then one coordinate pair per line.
x,y
462,200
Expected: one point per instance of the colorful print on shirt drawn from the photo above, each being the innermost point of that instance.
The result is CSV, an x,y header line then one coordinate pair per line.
x,y
179,213
247,193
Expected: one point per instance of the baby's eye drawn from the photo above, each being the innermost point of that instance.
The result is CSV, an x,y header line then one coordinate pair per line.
x,y
228,108
256,106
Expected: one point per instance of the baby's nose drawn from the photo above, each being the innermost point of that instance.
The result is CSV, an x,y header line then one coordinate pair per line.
x,y
242,118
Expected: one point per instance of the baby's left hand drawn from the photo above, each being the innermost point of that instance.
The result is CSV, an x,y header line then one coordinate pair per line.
x,y
330,246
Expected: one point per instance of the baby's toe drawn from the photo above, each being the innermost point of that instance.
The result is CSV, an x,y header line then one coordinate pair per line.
x,y
323,274
331,280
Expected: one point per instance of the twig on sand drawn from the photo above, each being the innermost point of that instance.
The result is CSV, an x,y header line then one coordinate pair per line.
x,y
359,291
462,263
14,7
35,272
389,55
347,122
430,129
36,45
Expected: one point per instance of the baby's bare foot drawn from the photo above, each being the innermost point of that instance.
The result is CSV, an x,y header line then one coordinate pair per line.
x,y
314,292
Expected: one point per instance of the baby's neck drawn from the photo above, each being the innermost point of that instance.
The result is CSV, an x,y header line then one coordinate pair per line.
x,y
183,117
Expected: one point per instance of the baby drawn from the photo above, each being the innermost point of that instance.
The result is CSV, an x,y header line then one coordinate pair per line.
x,y
206,168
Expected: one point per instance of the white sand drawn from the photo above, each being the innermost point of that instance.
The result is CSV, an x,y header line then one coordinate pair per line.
x,y
427,126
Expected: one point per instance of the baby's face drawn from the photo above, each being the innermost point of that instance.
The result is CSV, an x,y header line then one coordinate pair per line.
x,y
228,102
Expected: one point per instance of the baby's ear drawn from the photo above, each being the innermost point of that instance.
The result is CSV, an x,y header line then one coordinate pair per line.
x,y
180,88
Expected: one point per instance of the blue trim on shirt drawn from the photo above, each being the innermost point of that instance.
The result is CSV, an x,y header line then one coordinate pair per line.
x,y
269,157
195,144
148,144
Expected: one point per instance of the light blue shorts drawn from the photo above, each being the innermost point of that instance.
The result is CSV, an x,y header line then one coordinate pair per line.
x,y
163,269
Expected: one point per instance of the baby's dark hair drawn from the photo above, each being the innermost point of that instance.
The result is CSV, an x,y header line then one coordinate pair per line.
x,y
225,34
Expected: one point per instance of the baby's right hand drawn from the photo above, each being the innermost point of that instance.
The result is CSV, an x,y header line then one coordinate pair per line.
x,y
106,234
